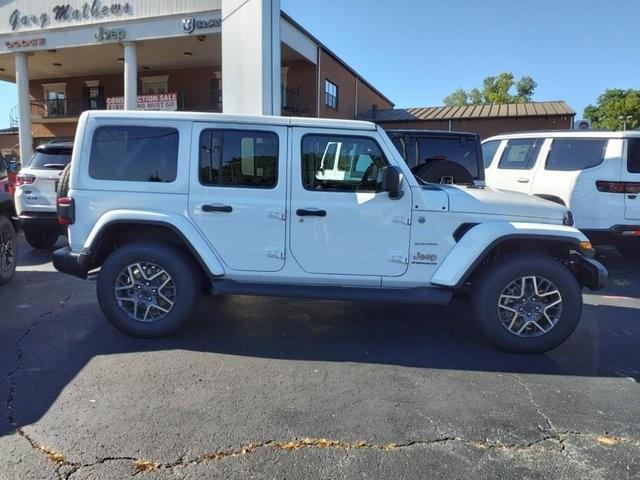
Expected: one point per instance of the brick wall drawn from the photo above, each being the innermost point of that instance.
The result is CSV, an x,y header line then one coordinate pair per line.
x,y
488,127
302,76
335,72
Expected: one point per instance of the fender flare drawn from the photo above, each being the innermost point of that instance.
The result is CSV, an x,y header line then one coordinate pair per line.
x,y
184,228
478,241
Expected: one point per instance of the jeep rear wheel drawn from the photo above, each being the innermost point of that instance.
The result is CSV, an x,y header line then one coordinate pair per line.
x,y
148,290
527,304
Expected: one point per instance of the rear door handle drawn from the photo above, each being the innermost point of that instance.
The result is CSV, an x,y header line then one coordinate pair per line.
x,y
217,208
311,212
523,180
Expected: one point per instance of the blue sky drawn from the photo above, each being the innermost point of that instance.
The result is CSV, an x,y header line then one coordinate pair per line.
x,y
418,51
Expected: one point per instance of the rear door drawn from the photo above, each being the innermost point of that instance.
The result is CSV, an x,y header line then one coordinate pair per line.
x,y
516,166
632,175
237,194
569,169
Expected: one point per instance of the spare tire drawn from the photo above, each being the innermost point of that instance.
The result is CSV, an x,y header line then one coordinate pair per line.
x,y
443,171
63,183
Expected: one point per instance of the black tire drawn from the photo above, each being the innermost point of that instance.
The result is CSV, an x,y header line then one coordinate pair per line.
x,y
8,252
437,170
63,183
179,267
629,248
496,277
42,238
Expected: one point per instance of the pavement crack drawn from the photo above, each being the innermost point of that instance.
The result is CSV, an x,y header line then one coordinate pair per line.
x,y
539,411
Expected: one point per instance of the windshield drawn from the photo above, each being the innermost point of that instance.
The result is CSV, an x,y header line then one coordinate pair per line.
x,y
458,150
51,159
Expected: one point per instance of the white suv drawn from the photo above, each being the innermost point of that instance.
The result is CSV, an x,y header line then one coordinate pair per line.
x,y
170,205
35,195
595,174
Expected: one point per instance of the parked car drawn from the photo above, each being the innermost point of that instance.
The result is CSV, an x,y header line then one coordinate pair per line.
x,y
36,187
441,156
7,231
595,174
168,205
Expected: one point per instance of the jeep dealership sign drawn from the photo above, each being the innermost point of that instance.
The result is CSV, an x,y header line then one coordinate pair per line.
x,y
160,101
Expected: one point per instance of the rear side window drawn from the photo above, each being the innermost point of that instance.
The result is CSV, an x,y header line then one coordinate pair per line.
x,y
520,154
570,154
238,158
455,149
489,150
633,155
51,159
134,154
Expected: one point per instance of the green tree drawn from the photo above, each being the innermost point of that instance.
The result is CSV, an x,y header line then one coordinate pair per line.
x,y
495,89
612,105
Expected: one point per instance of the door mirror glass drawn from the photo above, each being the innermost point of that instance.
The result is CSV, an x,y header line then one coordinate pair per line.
x,y
392,179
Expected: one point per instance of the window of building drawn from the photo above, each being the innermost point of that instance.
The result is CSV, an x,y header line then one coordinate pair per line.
x,y
155,85
330,94
520,154
238,158
570,154
633,155
134,154
489,150
55,99
93,95
343,164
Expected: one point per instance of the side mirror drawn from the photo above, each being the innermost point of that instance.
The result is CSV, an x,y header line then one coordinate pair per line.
x,y
392,179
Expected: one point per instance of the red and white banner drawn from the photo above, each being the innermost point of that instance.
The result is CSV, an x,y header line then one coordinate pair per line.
x,y
160,101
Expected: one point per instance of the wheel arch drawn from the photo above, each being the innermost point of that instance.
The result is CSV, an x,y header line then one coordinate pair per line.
x,y
113,233
485,242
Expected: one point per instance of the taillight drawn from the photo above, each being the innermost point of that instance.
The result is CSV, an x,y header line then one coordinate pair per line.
x,y
618,187
66,211
25,179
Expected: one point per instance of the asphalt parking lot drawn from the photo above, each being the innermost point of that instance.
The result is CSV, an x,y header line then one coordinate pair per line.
x,y
277,388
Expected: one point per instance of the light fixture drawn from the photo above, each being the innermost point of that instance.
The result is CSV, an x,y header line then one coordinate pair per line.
x,y
201,38
144,67
57,64
52,50
121,59
187,54
2,69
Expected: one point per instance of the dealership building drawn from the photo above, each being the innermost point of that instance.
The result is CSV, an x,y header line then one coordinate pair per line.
x,y
232,56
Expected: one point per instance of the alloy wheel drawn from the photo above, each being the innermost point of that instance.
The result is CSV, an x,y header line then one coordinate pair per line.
x,y
145,291
7,251
530,306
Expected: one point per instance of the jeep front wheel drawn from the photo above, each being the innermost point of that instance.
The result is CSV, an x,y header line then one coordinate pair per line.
x,y
527,304
148,290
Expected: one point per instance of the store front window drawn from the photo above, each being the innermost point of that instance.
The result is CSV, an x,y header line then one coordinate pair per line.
x,y
155,85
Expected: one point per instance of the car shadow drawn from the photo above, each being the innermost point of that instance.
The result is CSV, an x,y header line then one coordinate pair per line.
x,y
31,257
51,352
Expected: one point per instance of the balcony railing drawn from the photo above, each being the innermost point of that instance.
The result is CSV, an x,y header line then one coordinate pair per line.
x,y
292,104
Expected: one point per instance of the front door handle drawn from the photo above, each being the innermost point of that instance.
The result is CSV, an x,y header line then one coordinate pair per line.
x,y
217,208
523,180
311,212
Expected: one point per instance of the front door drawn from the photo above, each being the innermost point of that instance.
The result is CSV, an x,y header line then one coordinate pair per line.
x,y
341,222
632,173
237,193
515,169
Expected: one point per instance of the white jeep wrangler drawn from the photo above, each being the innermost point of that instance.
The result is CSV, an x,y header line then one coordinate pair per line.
x,y
170,205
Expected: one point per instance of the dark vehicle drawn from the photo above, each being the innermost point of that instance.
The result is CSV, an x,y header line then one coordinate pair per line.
x,y
36,188
441,156
7,230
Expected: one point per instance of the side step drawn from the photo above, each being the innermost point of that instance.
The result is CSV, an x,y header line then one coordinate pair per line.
x,y
431,296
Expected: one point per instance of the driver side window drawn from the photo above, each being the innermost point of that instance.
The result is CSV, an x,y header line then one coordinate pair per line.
x,y
342,163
